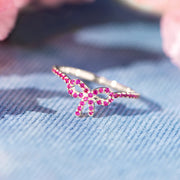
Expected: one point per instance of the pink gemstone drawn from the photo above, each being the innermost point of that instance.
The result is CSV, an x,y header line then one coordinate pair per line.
x,y
115,95
90,95
85,98
82,85
72,81
91,108
107,90
78,81
82,103
86,90
105,103
67,80
63,77
101,90
79,108
110,100
70,91
124,95
90,102
95,92
78,113
111,94
91,113
75,95
120,95
99,102
80,95
68,86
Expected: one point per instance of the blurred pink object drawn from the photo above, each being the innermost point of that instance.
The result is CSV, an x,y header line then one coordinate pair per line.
x,y
8,14
170,30
170,25
9,10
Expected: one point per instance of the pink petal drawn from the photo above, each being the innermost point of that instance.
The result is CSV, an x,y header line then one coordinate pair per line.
x,y
170,30
21,3
8,14
6,4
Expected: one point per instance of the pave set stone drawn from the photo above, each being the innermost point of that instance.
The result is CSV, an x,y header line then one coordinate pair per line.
x,y
89,96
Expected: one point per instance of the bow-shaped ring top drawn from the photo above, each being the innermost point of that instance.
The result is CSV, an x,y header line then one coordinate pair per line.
x,y
91,97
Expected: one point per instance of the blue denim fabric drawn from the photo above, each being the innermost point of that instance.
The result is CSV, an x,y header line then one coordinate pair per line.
x,y
40,137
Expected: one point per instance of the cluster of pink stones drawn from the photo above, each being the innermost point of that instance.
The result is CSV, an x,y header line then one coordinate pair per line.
x,y
86,95
81,106
89,96
61,75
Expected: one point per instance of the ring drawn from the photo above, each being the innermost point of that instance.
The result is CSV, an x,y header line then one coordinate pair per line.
x,y
92,96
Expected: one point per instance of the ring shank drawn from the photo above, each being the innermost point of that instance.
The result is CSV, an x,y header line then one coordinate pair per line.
x,y
86,75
